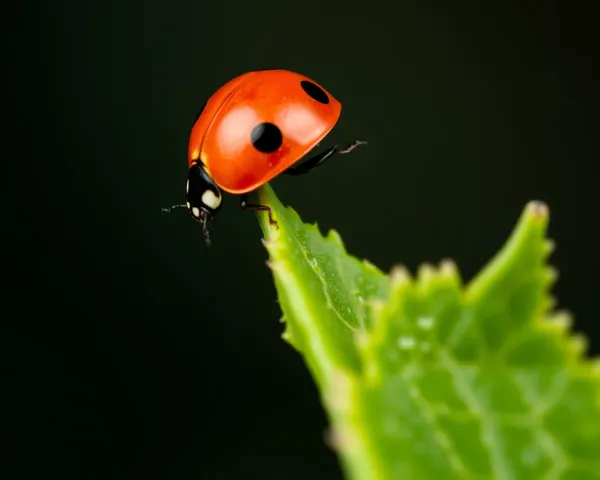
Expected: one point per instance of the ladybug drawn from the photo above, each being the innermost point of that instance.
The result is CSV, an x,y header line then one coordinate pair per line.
x,y
253,128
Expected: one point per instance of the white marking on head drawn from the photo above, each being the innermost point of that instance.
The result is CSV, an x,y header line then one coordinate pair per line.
x,y
210,199
196,212
187,204
187,187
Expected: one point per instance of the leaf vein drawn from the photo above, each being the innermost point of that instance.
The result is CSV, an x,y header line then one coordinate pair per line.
x,y
318,271
490,434
440,437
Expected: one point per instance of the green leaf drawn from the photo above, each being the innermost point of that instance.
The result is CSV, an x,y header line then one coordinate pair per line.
x,y
427,378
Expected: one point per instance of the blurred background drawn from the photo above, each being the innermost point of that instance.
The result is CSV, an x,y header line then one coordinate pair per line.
x,y
132,351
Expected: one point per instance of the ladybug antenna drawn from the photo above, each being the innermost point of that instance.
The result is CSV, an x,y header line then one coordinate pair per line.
x,y
171,208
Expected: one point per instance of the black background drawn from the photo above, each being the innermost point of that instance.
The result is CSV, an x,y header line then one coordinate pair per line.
x,y
131,350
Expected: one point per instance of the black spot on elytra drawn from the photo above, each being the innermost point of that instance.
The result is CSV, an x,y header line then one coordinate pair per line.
x,y
266,137
314,91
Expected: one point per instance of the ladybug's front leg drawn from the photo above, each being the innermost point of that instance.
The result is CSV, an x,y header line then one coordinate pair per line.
x,y
254,207
319,159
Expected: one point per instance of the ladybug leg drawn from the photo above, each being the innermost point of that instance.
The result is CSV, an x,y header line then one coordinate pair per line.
x,y
319,159
251,207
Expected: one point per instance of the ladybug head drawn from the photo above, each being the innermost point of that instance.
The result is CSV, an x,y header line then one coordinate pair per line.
x,y
203,196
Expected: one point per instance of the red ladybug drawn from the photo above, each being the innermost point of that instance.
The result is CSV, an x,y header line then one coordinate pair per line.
x,y
253,128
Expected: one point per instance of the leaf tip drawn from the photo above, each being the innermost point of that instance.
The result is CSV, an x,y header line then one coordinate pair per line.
x,y
578,345
549,246
551,275
287,335
537,209
449,270
335,237
561,321
448,267
399,275
425,276
426,270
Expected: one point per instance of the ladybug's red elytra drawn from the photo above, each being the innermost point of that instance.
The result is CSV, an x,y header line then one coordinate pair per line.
x,y
250,130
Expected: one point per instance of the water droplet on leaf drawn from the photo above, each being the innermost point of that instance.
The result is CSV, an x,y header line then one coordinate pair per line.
x,y
425,322
406,342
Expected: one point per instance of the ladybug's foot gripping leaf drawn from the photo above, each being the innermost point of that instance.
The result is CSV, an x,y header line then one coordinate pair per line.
x,y
255,207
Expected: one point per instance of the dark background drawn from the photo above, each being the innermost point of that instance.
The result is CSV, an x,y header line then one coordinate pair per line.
x,y
131,350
